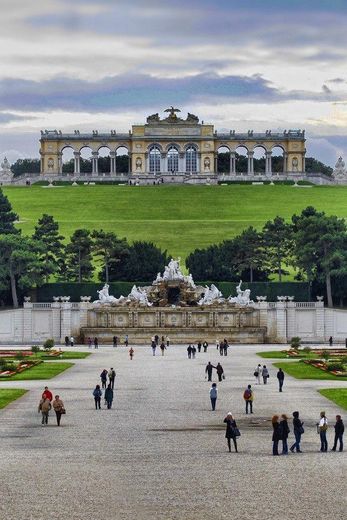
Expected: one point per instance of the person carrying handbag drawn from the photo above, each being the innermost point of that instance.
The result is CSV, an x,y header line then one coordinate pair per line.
x,y
232,431
58,407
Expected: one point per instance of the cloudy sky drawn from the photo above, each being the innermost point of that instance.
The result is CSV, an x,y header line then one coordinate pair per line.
x,y
240,64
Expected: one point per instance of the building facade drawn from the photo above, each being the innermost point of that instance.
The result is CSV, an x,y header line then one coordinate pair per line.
x,y
174,147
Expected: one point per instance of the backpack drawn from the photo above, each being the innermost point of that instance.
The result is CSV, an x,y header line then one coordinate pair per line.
x,y
247,394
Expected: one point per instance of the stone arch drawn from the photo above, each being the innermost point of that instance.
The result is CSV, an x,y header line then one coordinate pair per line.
x,y
278,159
86,154
172,158
104,158
67,155
241,159
259,159
223,159
174,145
122,158
191,158
154,158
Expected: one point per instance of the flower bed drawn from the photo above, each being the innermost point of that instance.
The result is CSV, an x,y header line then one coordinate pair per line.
x,y
14,353
19,367
321,365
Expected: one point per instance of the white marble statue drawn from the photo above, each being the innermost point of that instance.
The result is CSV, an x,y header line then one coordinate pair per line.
x,y
189,280
6,174
139,295
243,297
212,295
173,271
340,170
105,298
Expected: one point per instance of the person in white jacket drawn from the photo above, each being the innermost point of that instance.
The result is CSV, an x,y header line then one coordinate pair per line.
x,y
257,374
213,395
322,426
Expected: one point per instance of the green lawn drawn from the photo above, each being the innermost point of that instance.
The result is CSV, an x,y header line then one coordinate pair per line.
x,y
338,395
45,370
64,355
277,354
176,218
9,395
302,370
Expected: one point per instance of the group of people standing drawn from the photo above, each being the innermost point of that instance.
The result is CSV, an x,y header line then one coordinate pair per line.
x,y
105,375
163,344
47,403
222,346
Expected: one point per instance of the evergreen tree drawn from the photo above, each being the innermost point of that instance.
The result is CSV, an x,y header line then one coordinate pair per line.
x,y
20,263
110,250
78,260
47,232
278,243
7,216
249,254
143,263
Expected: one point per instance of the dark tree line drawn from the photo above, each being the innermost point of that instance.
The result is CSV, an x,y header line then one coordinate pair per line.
x,y
314,243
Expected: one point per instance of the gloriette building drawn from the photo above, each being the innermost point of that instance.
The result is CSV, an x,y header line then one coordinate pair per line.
x,y
174,149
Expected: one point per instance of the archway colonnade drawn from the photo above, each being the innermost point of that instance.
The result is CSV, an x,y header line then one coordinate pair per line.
x,y
249,155
86,153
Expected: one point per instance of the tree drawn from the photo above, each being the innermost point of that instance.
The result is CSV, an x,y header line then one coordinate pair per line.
x,y
278,243
321,247
312,165
110,250
47,232
20,263
7,216
78,260
143,263
23,166
249,253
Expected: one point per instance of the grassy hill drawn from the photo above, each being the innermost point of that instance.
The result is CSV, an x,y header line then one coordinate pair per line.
x,y
176,218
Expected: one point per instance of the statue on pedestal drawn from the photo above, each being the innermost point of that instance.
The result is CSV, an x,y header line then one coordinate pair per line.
x,y
243,297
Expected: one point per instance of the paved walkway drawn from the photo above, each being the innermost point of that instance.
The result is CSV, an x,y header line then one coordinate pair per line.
x,y
161,453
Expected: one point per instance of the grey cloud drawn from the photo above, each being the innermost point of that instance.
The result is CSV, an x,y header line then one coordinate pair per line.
x,y
8,117
326,89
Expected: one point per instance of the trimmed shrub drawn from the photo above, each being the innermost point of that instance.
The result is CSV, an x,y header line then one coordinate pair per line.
x,y
48,344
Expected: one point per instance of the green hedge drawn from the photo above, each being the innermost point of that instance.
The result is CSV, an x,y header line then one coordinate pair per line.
x,y
300,290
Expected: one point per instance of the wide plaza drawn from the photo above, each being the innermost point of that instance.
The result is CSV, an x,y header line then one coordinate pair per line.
x,y
161,452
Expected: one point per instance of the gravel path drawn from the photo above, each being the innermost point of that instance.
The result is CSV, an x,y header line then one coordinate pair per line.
x,y
160,453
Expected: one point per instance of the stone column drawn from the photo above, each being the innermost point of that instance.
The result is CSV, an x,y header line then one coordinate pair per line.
x,y
216,162
181,163
60,162
250,168
27,322
77,167
285,162
163,165
281,322
232,169
303,162
146,163
268,163
198,163
113,168
130,165
95,162
291,319
65,327
320,325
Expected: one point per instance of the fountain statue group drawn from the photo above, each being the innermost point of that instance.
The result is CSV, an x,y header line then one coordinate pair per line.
x,y
172,273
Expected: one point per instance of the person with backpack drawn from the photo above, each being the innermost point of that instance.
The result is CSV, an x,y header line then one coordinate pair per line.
x,y
103,377
248,397
276,434
109,396
280,377
322,427
213,395
97,393
284,432
112,377
298,427
257,374
231,431
265,374
339,431
162,348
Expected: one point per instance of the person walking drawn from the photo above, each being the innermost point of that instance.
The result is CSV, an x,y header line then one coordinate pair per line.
x,y
131,353
189,351
111,377
154,347
109,396
47,394
265,374
208,370
96,342
298,427
221,348
162,347
72,341
339,431
115,341
167,341
330,341
126,340
248,396
276,434
44,408
280,377
220,372
322,426
90,342
67,341
199,346
97,393
225,347
217,344
193,351
103,377
205,345
231,431
284,432
257,374
213,395
59,408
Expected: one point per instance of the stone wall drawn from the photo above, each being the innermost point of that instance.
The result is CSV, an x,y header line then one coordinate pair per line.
x,y
273,322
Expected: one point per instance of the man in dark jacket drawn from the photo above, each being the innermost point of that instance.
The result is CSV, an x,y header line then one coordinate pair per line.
x,y
280,377
339,431
112,377
220,371
208,370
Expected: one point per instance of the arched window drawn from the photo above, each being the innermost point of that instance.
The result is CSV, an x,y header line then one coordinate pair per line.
x,y
172,159
154,159
191,159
